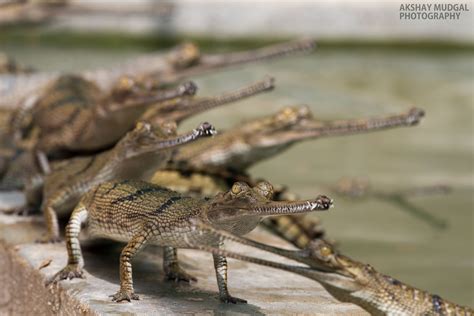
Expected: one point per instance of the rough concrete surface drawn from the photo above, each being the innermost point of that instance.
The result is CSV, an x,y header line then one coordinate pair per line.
x,y
22,292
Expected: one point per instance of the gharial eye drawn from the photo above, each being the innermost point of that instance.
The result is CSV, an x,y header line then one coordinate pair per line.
x,y
236,188
125,83
325,251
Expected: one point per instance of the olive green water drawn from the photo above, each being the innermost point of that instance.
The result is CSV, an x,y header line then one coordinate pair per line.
x,y
347,83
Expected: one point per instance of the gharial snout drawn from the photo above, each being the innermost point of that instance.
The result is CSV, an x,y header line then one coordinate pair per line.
x,y
189,88
322,202
206,129
415,115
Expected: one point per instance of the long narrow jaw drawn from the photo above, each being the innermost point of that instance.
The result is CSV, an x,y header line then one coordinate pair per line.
x,y
199,105
311,128
203,130
261,54
236,209
143,140
144,97
209,63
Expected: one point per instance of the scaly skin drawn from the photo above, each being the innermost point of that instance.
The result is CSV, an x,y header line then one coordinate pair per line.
x,y
174,110
5,117
138,154
259,139
163,69
72,111
182,108
141,213
346,279
296,229
206,167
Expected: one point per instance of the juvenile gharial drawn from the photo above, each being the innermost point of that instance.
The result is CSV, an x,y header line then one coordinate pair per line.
x,y
298,229
206,168
176,110
70,114
14,89
188,62
180,109
346,279
141,213
237,149
136,156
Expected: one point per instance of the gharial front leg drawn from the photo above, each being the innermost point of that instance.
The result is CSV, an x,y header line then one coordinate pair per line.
x,y
75,260
126,291
52,224
220,265
171,266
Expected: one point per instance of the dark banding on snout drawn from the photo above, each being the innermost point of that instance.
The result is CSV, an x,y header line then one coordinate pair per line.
x,y
206,129
415,115
189,88
323,202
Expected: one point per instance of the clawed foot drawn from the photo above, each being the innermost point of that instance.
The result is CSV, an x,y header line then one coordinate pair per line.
x,y
232,300
123,295
178,274
71,271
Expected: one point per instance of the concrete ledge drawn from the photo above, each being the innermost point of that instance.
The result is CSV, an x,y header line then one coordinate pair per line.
x,y
268,291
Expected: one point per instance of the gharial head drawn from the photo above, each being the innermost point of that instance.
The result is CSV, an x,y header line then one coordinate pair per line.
x,y
240,196
145,138
333,269
147,87
284,119
144,134
242,201
293,124
184,55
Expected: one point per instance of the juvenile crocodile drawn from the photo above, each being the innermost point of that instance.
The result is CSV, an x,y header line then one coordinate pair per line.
x,y
259,139
141,213
175,110
346,279
16,88
136,156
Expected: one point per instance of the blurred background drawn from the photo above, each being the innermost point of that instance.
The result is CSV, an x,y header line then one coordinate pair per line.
x,y
369,62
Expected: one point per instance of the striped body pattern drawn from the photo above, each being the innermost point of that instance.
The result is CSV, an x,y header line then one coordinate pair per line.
x,y
121,210
141,213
